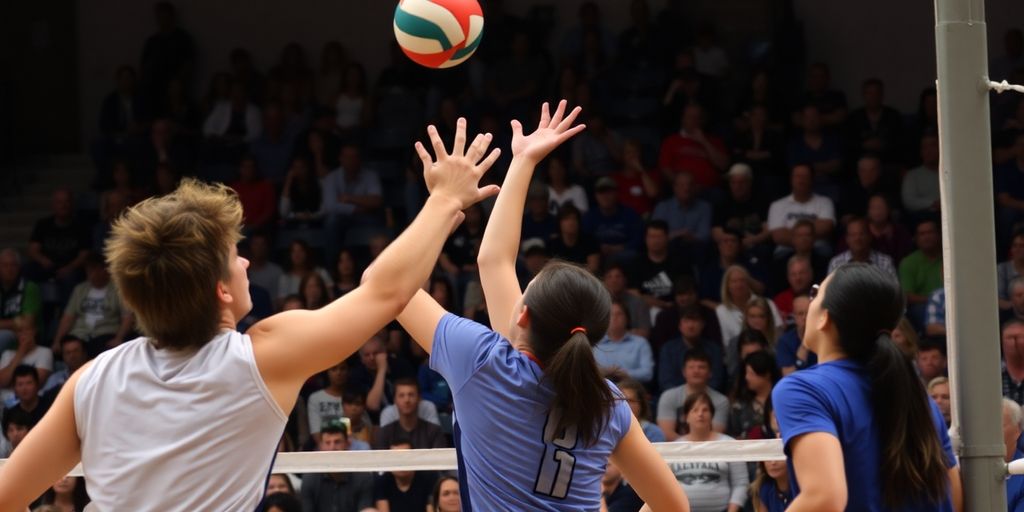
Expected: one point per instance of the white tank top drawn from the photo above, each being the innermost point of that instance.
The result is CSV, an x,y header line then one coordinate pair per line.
x,y
168,431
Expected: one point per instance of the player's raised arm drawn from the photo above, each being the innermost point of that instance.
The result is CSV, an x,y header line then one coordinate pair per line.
x,y
293,345
500,244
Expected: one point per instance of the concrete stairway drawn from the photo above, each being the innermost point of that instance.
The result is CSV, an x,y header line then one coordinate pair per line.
x,y
25,192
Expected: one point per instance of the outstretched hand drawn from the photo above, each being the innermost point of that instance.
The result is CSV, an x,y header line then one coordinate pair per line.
x,y
552,130
457,174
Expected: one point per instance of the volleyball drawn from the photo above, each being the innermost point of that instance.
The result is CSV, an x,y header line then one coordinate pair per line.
x,y
439,33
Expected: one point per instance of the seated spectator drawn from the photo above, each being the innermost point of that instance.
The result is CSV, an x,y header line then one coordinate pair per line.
x,y
715,485
124,184
1006,271
737,291
336,491
123,117
425,410
730,252
935,314
1013,360
59,245
403,490
353,405
26,394
346,274
262,272
561,190
573,244
421,434
618,495
831,103
234,121
875,127
616,227
13,362
800,277
1016,309
256,194
640,403
352,103
938,390
538,222
19,298
931,359
757,318
281,502
445,497
67,494
352,198
742,210
597,150
302,199
666,324
1014,443
280,484
95,313
618,286
379,373
690,338
889,237
753,389
272,149
688,218
301,264
856,193
658,267
761,150
619,349
697,370
802,204
858,243
1009,188
693,151
638,186
816,148
73,354
803,245
790,353
920,190
325,405
314,291
16,423
164,146
921,271
770,490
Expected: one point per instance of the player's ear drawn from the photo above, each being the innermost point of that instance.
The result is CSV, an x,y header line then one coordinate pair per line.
x,y
523,319
223,295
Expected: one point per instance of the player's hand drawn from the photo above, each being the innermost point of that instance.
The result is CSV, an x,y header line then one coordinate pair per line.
x,y
552,130
457,174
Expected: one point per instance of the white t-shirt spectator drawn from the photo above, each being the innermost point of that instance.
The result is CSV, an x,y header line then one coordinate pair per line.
x,y
786,212
40,357
713,486
427,412
574,194
920,189
321,408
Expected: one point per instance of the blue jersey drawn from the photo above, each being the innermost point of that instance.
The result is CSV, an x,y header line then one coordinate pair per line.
x,y
773,500
510,457
835,398
1015,483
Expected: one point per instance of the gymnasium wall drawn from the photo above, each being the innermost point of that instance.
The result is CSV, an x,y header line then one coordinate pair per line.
x,y
891,40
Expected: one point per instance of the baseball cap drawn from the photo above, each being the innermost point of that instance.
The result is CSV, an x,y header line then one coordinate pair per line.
x,y
740,169
605,183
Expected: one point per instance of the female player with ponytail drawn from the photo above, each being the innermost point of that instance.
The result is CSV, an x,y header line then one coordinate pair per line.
x,y
859,430
535,423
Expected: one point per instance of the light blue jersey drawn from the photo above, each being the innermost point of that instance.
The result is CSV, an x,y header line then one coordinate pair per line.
x,y
509,456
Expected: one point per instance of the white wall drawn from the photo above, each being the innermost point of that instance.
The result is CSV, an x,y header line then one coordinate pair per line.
x,y
857,40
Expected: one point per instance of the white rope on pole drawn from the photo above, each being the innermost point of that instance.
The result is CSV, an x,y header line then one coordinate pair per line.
x,y
444,458
1001,87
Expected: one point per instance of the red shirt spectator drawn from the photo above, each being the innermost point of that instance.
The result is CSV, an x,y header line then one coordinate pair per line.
x,y
259,201
638,187
693,151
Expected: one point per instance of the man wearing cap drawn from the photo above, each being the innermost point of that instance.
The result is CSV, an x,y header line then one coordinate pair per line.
x,y
617,228
742,210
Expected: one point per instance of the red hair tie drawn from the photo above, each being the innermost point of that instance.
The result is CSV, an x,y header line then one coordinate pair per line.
x,y
578,329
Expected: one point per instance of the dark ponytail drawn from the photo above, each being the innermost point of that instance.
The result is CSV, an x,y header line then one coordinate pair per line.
x,y
865,304
560,299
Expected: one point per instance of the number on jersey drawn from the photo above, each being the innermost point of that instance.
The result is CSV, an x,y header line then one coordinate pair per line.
x,y
555,473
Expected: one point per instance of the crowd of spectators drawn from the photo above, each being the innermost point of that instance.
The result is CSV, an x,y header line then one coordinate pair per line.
x,y
707,194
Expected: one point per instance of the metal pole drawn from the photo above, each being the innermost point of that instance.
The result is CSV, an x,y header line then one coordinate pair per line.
x,y
969,247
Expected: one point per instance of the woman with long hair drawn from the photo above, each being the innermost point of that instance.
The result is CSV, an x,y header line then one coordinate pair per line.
x,y
301,262
747,416
639,402
737,291
712,486
67,495
529,392
446,495
346,273
770,490
859,430
757,317
314,291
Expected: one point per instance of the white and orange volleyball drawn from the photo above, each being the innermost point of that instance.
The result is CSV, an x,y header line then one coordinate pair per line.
x,y
439,33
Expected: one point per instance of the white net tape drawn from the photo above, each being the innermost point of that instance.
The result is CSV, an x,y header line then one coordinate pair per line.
x,y
1001,87
444,458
